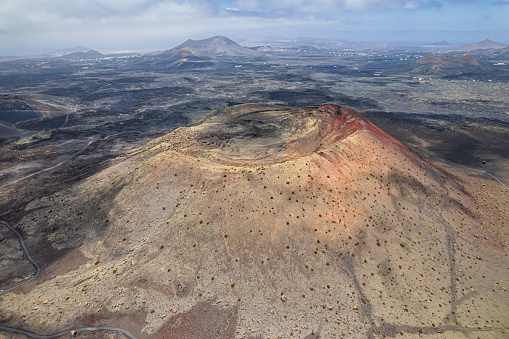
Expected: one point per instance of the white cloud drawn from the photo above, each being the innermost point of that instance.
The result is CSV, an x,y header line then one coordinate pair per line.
x,y
14,14
49,24
336,5
36,15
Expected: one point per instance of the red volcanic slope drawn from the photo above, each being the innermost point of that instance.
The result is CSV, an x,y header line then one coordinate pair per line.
x,y
272,221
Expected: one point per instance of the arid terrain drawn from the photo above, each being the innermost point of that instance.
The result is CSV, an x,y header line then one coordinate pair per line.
x,y
219,191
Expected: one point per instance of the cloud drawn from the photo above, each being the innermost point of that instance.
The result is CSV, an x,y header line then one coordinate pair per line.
x,y
461,2
35,15
34,25
332,11
16,14
389,5
61,17
314,6
30,24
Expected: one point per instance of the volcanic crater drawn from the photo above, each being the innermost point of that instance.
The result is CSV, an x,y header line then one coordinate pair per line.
x,y
255,134
270,221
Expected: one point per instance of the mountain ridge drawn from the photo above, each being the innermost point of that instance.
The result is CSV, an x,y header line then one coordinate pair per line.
x,y
453,66
219,46
90,54
484,44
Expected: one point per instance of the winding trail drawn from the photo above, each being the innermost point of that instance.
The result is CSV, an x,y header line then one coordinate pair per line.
x,y
66,120
29,257
37,272
425,154
473,169
38,267
66,159
494,177
349,270
59,334
49,168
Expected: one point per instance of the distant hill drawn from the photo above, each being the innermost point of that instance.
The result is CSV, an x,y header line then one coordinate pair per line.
x,y
196,54
449,59
70,50
501,54
181,53
276,42
485,44
219,46
441,43
90,54
184,58
452,66
175,58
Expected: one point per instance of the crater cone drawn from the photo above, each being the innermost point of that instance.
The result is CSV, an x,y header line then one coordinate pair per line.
x,y
255,134
268,221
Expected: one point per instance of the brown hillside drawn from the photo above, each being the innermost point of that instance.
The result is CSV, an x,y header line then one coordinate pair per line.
x,y
449,60
268,221
176,58
219,46
485,44
181,53
453,66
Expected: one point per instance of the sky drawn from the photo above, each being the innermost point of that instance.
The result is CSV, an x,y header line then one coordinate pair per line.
x,y
38,26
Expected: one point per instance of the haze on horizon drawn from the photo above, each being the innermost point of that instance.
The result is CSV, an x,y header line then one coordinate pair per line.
x,y
32,26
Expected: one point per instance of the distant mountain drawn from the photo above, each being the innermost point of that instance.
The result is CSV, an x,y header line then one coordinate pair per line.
x,y
181,53
184,58
441,43
452,66
322,42
485,44
90,54
501,54
276,42
259,41
70,50
449,59
175,58
219,46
